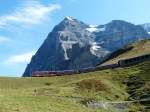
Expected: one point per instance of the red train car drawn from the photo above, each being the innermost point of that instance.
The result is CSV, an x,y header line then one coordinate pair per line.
x,y
53,73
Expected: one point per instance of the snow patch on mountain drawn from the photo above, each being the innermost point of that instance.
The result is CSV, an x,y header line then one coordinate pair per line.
x,y
65,52
66,45
101,29
95,46
69,18
98,50
94,28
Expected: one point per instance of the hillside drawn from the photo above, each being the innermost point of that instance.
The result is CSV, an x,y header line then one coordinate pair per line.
x,y
139,48
71,93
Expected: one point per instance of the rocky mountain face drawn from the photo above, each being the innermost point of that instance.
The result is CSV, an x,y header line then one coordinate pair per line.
x,y
73,44
146,26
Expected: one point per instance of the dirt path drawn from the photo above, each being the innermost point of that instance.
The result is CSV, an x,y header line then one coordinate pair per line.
x,y
115,106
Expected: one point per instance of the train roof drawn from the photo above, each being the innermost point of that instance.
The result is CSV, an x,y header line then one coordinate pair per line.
x,y
137,57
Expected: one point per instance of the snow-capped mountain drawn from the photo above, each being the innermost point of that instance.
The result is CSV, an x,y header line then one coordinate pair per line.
x,y
73,44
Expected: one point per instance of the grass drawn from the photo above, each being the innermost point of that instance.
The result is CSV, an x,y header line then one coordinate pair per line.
x,y
67,93
89,84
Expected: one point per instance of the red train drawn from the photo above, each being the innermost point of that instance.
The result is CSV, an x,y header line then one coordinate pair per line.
x,y
53,73
61,73
121,63
71,72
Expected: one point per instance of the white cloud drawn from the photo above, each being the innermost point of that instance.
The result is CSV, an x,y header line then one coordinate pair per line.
x,y
28,14
21,58
4,39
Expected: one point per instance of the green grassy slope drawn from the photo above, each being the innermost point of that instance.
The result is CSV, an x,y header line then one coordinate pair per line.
x,y
139,48
69,93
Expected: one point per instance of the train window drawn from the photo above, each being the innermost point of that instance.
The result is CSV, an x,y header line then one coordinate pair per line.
x,y
143,57
136,59
128,61
139,58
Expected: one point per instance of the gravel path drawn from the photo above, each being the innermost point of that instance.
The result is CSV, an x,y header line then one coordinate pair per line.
x,y
115,106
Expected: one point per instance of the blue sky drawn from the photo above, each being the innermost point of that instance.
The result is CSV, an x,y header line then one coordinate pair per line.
x,y
24,24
